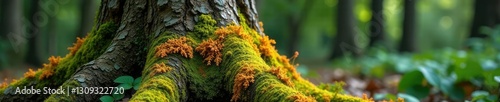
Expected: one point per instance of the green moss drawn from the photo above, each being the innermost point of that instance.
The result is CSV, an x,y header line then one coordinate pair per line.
x,y
157,89
205,27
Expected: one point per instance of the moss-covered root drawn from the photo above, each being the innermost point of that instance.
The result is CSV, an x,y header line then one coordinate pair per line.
x,y
164,78
162,83
250,80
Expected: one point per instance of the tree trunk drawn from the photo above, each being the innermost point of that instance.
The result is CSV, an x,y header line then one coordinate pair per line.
x,y
377,24
174,43
87,13
345,40
32,56
408,43
486,13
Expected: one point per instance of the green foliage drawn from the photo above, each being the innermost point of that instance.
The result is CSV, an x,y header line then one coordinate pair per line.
x,y
337,87
107,98
127,82
445,70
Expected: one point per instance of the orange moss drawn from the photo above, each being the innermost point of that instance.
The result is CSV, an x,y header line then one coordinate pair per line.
x,y
4,84
289,66
211,50
174,46
160,68
302,98
48,69
30,73
327,97
281,75
242,80
76,45
222,32
365,97
267,46
400,99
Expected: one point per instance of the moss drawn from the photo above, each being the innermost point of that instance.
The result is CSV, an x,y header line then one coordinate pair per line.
x,y
157,89
205,27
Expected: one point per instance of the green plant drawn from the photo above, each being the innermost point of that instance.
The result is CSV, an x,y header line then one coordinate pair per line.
x,y
126,82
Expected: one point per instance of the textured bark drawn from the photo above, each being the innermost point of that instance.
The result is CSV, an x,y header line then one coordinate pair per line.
x,y
408,40
131,30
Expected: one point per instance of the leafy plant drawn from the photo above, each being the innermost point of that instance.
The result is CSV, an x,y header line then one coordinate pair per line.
x,y
127,82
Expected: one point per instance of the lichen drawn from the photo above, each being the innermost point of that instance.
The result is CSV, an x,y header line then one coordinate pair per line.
x,y
242,80
48,69
174,46
76,45
4,84
160,68
211,50
281,75
267,46
30,74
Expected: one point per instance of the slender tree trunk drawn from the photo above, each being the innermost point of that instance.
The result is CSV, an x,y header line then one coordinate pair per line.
x,y
486,13
32,56
87,13
345,40
408,40
187,51
377,23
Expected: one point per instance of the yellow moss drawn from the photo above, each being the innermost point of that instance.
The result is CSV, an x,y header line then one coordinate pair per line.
x,y
267,46
302,98
76,45
174,46
160,68
48,69
242,80
211,51
281,75
30,74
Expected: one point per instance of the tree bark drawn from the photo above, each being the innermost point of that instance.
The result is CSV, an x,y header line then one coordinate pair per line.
x,y
408,42
128,38
345,40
